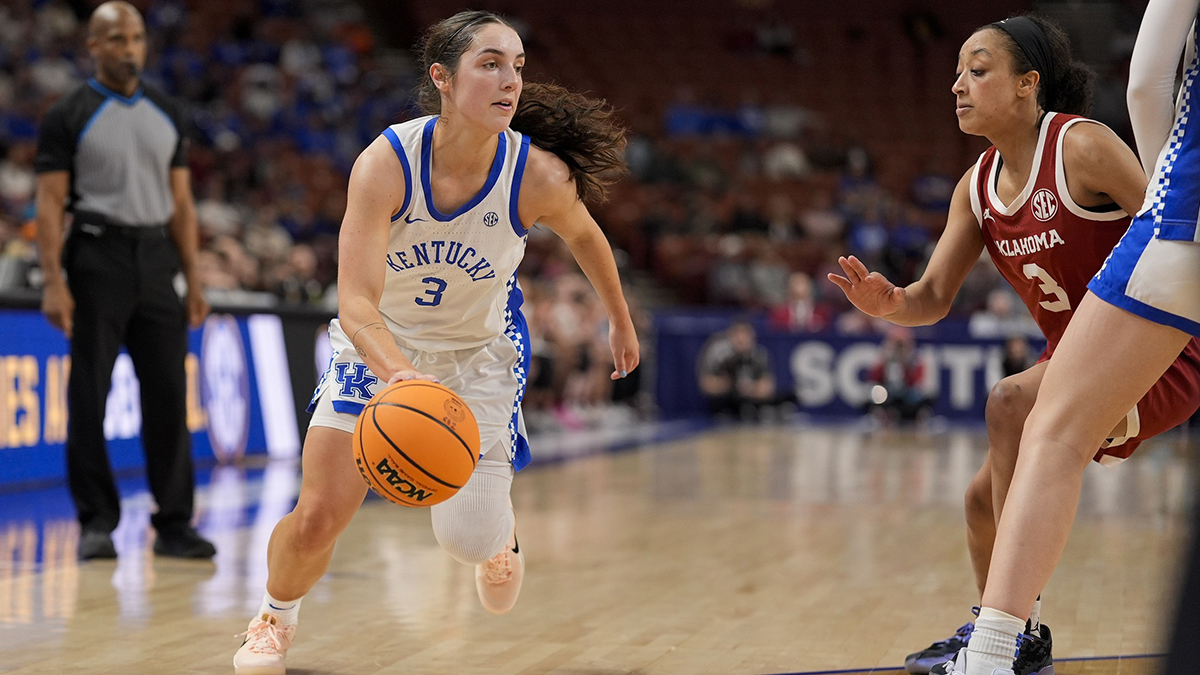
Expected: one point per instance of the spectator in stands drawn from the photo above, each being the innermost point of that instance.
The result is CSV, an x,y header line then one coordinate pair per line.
x,y
857,190
801,312
899,375
1018,357
735,373
781,219
821,222
868,237
769,275
785,160
729,278
1002,318
932,188
17,179
747,218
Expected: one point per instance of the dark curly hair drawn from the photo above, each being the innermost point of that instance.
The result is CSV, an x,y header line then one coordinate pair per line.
x,y
583,132
1073,81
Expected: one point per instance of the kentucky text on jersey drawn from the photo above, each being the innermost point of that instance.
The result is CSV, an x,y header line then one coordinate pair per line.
x,y
443,253
1029,245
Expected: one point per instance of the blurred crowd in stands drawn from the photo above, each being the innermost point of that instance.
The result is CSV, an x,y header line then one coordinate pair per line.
x,y
745,206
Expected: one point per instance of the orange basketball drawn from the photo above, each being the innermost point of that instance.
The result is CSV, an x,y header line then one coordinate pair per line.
x,y
416,443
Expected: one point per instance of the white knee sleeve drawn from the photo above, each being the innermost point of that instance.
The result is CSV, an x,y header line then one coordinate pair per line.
x,y
475,524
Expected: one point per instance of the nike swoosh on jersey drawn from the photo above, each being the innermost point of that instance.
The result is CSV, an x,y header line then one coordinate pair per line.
x,y
410,219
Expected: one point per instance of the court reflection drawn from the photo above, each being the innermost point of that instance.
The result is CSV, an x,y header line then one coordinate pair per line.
x,y
235,507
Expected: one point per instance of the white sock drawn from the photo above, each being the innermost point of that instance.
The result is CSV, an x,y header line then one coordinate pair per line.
x,y
288,612
1035,617
993,645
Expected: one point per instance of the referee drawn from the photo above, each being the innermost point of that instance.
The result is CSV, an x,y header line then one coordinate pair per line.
x,y
113,154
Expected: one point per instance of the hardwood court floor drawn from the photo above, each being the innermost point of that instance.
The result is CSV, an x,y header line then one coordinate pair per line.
x,y
741,551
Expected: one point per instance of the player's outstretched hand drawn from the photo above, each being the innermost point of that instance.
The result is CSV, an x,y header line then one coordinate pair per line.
x,y
624,343
871,292
402,375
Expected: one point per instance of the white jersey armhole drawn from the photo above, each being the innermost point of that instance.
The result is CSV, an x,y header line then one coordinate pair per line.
x,y
1060,180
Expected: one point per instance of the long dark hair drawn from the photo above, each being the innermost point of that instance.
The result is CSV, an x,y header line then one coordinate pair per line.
x,y
583,132
1073,82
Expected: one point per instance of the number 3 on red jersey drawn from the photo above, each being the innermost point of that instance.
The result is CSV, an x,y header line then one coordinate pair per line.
x,y
1049,286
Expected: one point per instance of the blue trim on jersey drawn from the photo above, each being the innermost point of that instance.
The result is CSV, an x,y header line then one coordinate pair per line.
x,y
399,148
514,216
91,120
518,332
1134,306
1180,232
348,407
1176,202
1111,283
426,160
109,93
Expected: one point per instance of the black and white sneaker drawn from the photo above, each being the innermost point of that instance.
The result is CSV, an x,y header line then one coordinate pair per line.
x,y
1033,652
1033,655
938,653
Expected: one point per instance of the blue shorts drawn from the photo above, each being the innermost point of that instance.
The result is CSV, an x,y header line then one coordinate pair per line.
x,y
1156,279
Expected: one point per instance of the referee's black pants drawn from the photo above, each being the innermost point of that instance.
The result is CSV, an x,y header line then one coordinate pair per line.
x,y
124,294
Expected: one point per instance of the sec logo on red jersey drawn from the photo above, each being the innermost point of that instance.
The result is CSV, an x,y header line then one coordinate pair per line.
x,y
1044,205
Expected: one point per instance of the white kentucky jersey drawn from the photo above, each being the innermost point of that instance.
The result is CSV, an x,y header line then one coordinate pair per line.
x,y
451,277
1173,196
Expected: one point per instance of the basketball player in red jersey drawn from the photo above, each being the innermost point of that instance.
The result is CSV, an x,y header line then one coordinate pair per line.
x,y
1049,200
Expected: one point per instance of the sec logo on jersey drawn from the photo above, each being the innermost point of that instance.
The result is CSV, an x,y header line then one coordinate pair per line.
x,y
1044,205
490,219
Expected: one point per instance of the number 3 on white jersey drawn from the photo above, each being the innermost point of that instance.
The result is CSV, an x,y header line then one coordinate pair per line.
x,y
1050,287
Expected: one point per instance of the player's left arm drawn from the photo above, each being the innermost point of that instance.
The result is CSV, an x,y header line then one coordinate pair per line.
x,y
1101,169
548,197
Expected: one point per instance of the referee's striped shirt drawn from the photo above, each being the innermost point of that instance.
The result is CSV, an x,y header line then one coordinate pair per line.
x,y
119,151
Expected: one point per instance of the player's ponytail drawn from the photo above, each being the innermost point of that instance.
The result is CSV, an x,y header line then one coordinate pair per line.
x,y
583,132
1031,38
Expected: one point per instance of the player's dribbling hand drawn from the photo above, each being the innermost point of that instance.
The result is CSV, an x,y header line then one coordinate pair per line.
x,y
871,292
623,341
403,375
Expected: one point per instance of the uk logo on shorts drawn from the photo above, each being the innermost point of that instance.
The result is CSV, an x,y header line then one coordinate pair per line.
x,y
355,380
1044,205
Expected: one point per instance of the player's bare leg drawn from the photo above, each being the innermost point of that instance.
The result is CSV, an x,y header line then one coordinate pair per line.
x,y
331,492
1084,394
301,547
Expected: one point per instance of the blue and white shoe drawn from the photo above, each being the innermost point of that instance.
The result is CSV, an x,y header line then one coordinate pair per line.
x,y
1033,656
939,652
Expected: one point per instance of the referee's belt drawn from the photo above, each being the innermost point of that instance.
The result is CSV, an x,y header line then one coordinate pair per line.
x,y
99,225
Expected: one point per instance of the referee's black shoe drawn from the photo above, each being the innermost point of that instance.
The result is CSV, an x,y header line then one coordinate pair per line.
x,y
183,543
96,545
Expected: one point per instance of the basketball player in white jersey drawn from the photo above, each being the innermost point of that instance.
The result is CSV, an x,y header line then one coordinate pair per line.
x,y
435,226
1142,310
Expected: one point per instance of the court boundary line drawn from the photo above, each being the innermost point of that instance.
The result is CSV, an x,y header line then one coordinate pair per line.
x,y
854,671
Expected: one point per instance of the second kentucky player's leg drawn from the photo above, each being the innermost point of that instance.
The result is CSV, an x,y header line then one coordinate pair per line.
x,y
1061,437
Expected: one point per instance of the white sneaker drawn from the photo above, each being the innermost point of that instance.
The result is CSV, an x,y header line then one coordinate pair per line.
x,y
266,645
498,580
958,666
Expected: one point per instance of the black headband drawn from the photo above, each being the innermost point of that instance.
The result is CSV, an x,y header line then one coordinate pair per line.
x,y
466,25
1035,46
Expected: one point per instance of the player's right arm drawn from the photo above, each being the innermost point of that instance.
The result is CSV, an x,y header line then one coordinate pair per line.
x,y
927,300
375,192
1161,40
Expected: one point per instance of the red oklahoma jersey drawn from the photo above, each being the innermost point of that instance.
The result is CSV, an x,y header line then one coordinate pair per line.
x,y
1049,248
